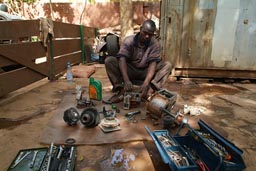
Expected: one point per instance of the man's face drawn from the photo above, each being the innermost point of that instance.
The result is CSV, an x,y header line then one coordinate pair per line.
x,y
146,33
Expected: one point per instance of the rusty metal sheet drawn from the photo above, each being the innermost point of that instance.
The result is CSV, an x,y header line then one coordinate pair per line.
x,y
198,30
13,30
16,79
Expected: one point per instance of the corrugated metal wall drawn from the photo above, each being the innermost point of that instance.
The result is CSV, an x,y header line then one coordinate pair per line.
x,y
210,38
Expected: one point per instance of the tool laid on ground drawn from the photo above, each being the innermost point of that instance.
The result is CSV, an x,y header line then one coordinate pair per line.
x,y
33,160
130,114
60,158
20,159
49,157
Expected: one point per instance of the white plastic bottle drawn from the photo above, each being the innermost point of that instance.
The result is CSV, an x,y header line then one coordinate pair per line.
x,y
69,73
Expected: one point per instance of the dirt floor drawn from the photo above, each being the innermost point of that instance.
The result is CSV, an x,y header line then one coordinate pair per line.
x,y
230,106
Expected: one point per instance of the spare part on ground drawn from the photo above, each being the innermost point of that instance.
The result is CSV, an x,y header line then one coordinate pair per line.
x,y
162,99
177,118
110,124
71,116
84,103
131,99
90,117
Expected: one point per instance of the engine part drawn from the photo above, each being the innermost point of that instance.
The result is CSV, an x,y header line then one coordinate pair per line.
x,y
130,114
168,121
127,102
131,99
84,103
70,141
110,123
90,117
161,99
178,118
71,116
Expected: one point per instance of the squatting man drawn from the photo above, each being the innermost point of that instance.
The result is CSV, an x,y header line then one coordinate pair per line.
x,y
137,62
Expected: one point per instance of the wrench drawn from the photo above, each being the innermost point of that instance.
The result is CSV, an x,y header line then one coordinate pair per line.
x,y
33,160
18,161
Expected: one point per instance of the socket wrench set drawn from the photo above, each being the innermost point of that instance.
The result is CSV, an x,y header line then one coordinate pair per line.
x,y
202,149
54,158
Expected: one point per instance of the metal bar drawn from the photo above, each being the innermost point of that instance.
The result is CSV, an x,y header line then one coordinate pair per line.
x,y
52,69
82,43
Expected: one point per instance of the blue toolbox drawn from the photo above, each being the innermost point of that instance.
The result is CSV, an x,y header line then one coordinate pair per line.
x,y
202,149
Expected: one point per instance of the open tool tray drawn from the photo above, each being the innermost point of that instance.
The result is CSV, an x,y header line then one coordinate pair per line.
x,y
170,149
214,150
24,164
205,149
65,161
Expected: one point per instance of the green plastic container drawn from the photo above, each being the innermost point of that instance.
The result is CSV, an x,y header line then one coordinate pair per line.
x,y
95,89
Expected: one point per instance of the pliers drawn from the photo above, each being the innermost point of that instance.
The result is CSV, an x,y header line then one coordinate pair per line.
x,y
202,165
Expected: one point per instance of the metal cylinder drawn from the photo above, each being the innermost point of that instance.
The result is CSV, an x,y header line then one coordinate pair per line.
x,y
71,116
162,99
90,117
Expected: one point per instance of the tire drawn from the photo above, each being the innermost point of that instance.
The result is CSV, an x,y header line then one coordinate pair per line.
x,y
3,7
112,45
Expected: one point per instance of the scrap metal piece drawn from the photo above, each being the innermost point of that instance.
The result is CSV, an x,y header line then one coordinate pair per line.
x,y
70,141
71,116
90,117
131,99
162,99
130,114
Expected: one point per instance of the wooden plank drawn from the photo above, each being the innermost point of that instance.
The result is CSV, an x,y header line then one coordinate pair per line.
x,y
61,62
16,79
25,54
61,47
214,73
173,29
5,62
13,30
66,46
70,30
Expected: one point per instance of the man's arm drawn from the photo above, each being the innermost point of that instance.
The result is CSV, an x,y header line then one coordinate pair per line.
x,y
123,67
151,71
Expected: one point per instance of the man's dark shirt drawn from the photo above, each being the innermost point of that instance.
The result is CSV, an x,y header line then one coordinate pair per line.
x,y
139,57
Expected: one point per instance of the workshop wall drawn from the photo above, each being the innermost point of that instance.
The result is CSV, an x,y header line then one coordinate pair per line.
x,y
210,38
100,15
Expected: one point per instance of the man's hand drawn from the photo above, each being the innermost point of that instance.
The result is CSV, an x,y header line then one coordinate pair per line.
x,y
144,90
128,86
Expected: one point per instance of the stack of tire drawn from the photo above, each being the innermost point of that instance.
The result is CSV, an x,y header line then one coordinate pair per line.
x,y
111,48
5,16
